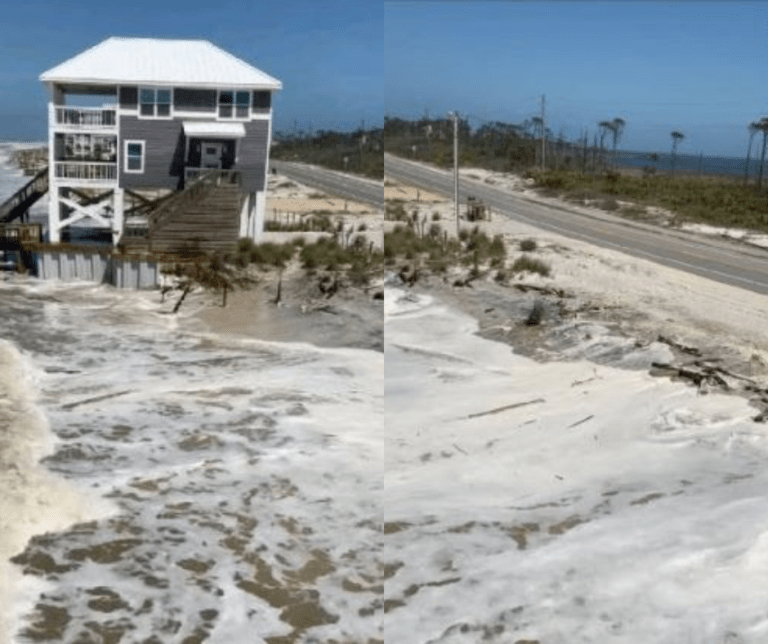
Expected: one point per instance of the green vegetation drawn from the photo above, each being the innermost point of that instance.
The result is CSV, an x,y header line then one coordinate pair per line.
x,y
715,201
524,263
395,210
437,251
496,146
359,260
359,152
528,245
267,254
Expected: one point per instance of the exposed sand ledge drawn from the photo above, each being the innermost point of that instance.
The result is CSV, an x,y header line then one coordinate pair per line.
x,y
351,317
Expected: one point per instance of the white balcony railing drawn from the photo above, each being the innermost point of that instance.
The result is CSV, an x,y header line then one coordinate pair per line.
x,y
86,171
86,117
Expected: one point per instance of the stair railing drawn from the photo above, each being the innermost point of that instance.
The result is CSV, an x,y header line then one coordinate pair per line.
x,y
37,185
192,192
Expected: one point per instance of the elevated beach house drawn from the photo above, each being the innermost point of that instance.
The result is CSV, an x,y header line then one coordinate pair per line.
x,y
160,142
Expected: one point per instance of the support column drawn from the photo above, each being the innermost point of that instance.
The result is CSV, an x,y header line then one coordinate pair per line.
x,y
258,215
54,214
118,208
245,218
53,190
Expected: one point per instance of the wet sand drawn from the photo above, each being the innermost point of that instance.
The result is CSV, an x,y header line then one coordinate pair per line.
x,y
351,317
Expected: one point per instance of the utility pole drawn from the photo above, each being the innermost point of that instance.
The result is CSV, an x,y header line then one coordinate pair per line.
x,y
455,116
543,135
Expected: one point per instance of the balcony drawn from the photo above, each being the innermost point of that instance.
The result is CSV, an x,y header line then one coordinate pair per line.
x,y
85,173
78,119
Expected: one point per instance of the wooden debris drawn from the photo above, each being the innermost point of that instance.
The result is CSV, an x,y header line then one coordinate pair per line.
x,y
693,351
506,407
459,449
86,401
582,421
545,290
187,289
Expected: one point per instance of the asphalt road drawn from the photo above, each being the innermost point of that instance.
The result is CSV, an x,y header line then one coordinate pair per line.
x,y
336,183
721,260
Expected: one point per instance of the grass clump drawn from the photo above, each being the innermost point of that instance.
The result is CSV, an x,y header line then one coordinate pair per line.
x,y
395,211
528,245
266,254
527,264
327,253
432,248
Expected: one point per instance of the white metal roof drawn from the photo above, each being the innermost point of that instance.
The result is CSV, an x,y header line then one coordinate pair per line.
x,y
154,61
214,129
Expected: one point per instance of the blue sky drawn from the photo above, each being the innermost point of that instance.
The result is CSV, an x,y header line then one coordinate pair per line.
x,y
328,54
695,67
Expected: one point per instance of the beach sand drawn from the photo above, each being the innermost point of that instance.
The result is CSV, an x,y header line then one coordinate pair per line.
x,y
351,317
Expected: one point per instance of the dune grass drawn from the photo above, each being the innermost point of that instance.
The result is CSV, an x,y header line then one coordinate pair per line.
x,y
710,200
437,251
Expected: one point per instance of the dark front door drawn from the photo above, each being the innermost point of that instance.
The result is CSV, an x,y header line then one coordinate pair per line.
x,y
211,155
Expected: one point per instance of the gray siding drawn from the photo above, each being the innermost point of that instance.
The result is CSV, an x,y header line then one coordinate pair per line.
x,y
129,97
194,100
163,156
165,145
252,156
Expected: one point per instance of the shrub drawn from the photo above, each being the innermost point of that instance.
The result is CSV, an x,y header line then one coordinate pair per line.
x,y
435,216
531,265
395,211
271,253
608,204
528,245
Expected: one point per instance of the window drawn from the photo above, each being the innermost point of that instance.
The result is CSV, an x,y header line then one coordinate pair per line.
x,y
234,104
134,156
155,103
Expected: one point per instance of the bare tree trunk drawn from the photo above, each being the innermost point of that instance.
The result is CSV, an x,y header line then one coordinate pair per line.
x,y
762,161
187,289
749,152
279,288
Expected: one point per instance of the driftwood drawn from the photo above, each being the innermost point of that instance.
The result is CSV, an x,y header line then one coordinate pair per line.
x,y
187,289
582,421
279,288
699,374
506,407
86,401
459,449
544,290
693,351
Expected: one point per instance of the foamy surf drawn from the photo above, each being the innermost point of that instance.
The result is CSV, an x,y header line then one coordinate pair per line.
x,y
248,478
563,502
33,501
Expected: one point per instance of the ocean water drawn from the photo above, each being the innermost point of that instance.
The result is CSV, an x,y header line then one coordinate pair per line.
x,y
182,486
694,163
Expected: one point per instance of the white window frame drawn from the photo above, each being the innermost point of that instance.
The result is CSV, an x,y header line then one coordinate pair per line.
x,y
154,115
234,116
143,144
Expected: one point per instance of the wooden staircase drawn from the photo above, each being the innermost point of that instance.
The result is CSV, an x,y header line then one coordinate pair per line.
x,y
20,201
203,217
